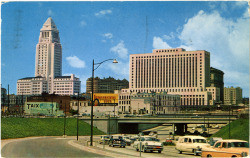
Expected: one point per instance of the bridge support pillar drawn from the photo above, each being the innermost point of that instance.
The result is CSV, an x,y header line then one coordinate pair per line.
x,y
180,129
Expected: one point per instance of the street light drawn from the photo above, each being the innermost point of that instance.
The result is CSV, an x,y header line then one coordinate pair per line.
x,y
92,100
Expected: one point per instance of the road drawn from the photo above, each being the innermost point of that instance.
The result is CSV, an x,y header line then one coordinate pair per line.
x,y
129,151
69,147
44,147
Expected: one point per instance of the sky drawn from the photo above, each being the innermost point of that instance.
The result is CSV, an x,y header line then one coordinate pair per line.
x,y
115,29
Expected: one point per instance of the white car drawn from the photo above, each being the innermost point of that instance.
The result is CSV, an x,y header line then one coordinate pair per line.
x,y
193,144
127,140
148,144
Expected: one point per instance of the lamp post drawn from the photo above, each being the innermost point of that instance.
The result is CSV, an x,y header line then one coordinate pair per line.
x,y
92,99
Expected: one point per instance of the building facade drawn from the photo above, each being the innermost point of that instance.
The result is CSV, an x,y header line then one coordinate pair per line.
x,y
232,96
148,103
106,85
175,71
217,80
49,100
48,67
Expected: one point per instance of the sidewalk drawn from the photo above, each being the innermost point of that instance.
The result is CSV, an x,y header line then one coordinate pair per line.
x,y
98,148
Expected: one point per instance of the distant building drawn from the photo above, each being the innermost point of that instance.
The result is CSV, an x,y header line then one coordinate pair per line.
x,y
232,96
48,67
4,100
245,101
175,71
3,96
12,103
217,80
106,85
107,104
47,100
148,103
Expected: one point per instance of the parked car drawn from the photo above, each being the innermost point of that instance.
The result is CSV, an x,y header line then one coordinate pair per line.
x,y
213,140
193,144
117,142
153,134
148,144
104,139
133,138
127,140
227,148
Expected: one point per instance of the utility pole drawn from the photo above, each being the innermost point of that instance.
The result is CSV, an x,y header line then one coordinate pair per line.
x,y
64,118
77,115
8,99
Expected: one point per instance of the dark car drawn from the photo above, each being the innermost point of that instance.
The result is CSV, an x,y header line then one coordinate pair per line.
x,y
117,142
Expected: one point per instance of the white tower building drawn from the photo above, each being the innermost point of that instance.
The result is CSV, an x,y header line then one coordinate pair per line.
x,y
48,67
49,51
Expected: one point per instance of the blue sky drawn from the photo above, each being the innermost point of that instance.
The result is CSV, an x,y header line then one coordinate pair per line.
x,y
104,30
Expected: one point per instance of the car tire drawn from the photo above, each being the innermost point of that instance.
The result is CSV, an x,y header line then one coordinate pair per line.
x,y
209,155
179,151
159,151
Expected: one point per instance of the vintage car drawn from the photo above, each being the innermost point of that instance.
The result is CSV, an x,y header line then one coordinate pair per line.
x,y
127,140
227,148
193,144
104,139
148,144
117,142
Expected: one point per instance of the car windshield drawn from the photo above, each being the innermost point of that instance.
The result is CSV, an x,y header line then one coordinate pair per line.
x,y
239,144
199,140
152,139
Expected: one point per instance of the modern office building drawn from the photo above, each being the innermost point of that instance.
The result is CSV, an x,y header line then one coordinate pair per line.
x,y
48,67
106,85
175,71
217,80
232,96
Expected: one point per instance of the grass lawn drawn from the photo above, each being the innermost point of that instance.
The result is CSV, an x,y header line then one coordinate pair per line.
x,y
239,129
26,127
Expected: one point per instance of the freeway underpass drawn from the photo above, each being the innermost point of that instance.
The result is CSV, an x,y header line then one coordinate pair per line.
x,y
129,125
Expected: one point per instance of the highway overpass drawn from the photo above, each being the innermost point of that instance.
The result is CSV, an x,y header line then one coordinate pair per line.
x,y
136,124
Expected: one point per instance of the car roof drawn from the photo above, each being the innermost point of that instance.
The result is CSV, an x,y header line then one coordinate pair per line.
x,y
232,140
193,137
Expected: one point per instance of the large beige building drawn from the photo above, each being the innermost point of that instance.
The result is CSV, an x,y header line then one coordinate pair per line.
x,y
175,71
232,96
48,67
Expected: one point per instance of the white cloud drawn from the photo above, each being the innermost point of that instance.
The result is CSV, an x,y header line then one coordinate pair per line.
x,y
83,23
103,12
158,43
227,41
240,3
120,49
108,35
50,12
169,37
75,62
121,69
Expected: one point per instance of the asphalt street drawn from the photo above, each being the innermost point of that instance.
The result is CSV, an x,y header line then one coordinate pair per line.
x,y
44,147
